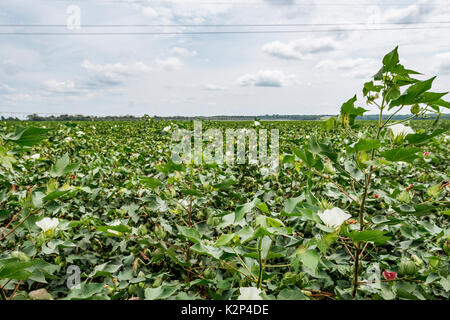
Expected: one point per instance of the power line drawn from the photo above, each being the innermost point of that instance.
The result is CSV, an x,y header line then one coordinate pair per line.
x,y
214,32
228,25
261,3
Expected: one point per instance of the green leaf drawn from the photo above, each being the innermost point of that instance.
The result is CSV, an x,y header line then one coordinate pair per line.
x,y
308,158
401,154
376,236
150,182
364,144
292,294
190,233
207,250
227,184
418,209
63,166
224,239
391,60
418,138
242,210
115,231
191,192
262,207
413,93
16,270
370,87
431,97
441,103
161,292
55,195
26,137
6,160
309,258
87,291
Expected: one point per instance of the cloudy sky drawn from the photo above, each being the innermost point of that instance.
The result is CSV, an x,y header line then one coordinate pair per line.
x,y
210,74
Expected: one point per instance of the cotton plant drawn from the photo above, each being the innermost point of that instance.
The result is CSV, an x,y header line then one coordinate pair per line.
x,y
32,203
392,89
48,226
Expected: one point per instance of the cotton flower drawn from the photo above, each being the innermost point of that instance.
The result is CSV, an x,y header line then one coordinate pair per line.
x,y
334,218
166,129
35,156
80,133
256,123
249,293
426,154
68,139
389,275
400,130
47,224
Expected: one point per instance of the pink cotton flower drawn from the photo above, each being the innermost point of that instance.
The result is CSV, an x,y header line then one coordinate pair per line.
x,y
426,154
389,275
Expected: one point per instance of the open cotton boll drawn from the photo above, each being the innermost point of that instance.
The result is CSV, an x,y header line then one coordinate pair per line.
x,y
334,218
249,293
47,224
400,130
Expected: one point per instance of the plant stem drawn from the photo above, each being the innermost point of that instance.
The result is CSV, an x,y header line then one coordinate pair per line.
x,y
363,200
260,264
188,251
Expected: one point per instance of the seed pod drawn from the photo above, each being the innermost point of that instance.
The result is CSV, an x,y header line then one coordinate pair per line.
x,y
417,260
408,268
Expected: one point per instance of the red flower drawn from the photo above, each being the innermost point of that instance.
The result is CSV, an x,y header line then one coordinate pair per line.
x,y
426,154
74,177
376,195
389,275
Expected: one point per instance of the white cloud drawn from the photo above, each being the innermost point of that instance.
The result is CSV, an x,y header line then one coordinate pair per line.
x,y
117,69
62,87
301,48
149,12
5,89
183,12
443,63
415,12
267,78
355,68
182,52
280,2
213,87
170,64
10,66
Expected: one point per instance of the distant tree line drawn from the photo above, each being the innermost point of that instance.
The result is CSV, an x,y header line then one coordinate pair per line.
x,y
273,117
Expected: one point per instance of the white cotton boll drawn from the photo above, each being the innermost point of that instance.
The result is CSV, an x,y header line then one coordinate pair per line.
x,y
400,130
47,224
249,293
334,218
